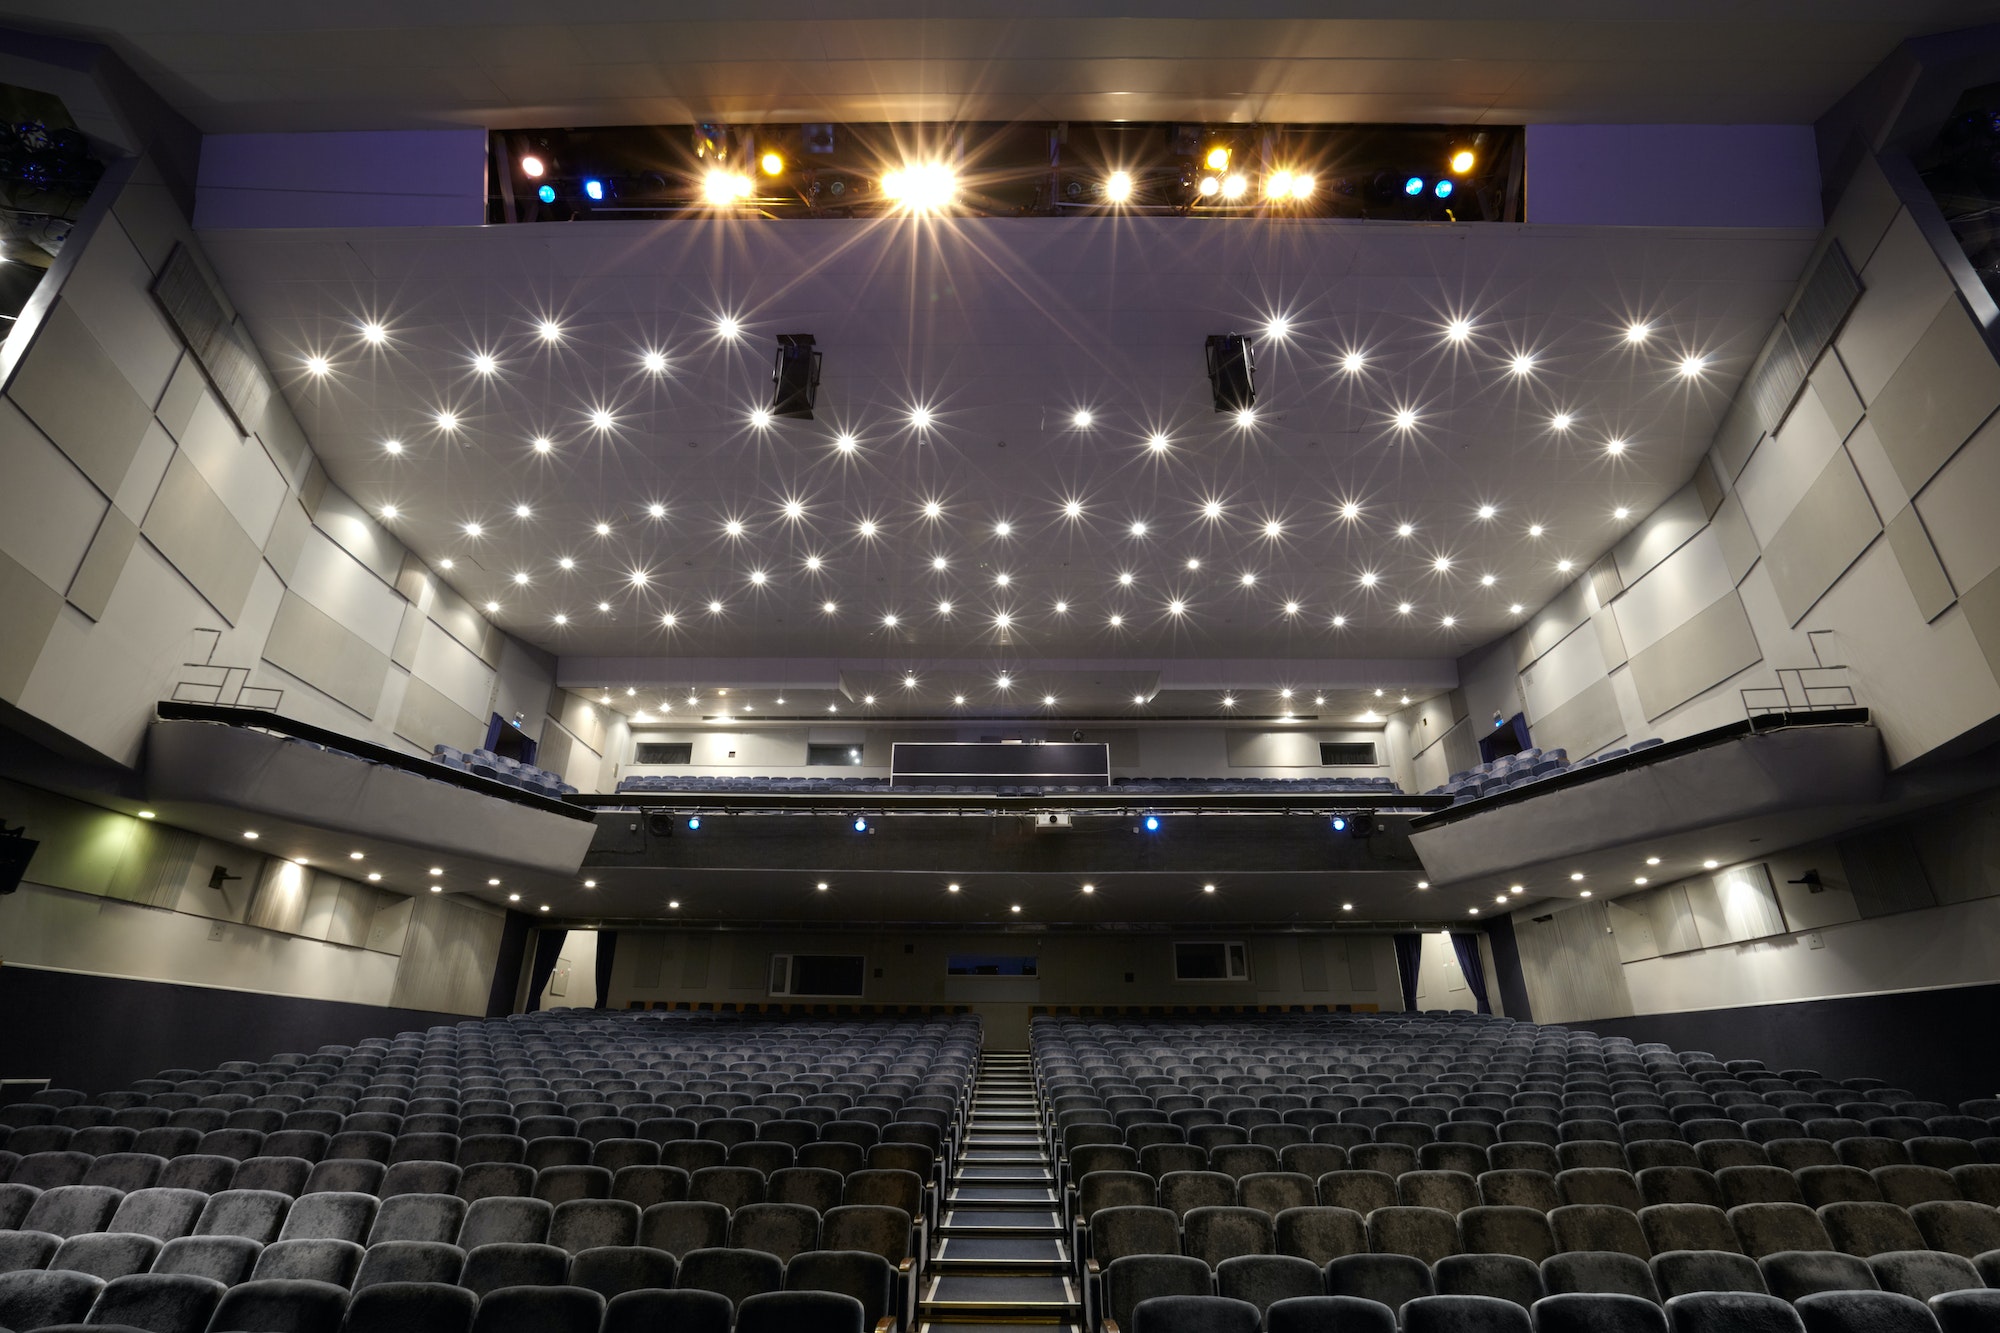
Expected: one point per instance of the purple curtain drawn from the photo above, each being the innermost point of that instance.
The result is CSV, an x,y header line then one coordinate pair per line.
x,y
1467,948
607,949
548,951
1409,957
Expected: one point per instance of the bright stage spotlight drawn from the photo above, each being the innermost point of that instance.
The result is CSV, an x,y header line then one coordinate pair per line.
x,y
860,824
721,188
772,164
922,187
1302,186
1462,161
1152,823
594,188
1209,187
1442,189
1217,159
1340,824
1414,186
546,193
694,823
531,167
1118,186
1278,185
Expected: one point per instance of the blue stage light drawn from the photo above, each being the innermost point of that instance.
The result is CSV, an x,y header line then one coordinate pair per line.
x,y
546,193
860,824
694,823
1340,823
1414,185
1443,189
594,188
1152,823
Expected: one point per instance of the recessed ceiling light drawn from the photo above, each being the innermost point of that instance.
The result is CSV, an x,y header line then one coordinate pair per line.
x,y
545,907
656,511
813,563
1487,511
1638,333
1565,566
1319,698
491,607
1015,908
550,330
251,834
845,443
1458,330
1139,699
1369,578
318,365
1522,364
1002,580
944,608
542,444
757,577
1406,418
1406,530
1350,510
389,511
1441,564
1535,529
1404,608
760,417
889,621
1447,622
1048,701
1125,579
1116,621
655,362
829,607
1487,580
446,563
1176,607
1353,363
1614,446
1081,420
932,509
1003,529
920,417
1378,691
868,700
1248,578
1515,609
561,619
521,577
1639,879
1291,609
1208,888
602,419
1139,528
1274,529
374,332
1339,622
867,527
485,364
669,620
447,421
715,608
1652,860
1246,416
821,886
1004,682
1561,421
1228,701
728,327
522,511
1061,608
392,446
1710,865
733,528
1621,512
437,870
1474,912
1001,620
1692,366
958,699
1423,884
604,606
1157,443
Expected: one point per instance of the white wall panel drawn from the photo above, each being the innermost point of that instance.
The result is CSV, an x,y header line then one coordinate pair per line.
x,y
135,493
1958,507
48,510
1878,474
1903,285
111,288
236,467
446,666
1564,671
1785,467
334,582
1679,587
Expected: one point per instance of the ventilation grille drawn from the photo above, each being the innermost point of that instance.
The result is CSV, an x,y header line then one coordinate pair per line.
x,y
1823,304
1776,378
191,304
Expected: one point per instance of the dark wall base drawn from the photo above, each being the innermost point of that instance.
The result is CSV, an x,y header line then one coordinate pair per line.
x,y
100,1033
1936,1043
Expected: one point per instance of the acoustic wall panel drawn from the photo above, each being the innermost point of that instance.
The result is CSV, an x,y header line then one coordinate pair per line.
x,y
1677,590
446,665
1312,962
1878,474
1584,724
110,547
1609,641
48,510
642,951
408,635
134,495
348,591
1885,873
448,957
1660,533
1571,966
1981,605
1836,394
319,650
194,530
1562,673
357,532
1866,208
1704,652
428,719
1903,286
1920,565
108,291
69,386
1361,963
1737,436
1958,509
1828,530
184,391
1949,385
236,468
1565,611
288,538
1785,465
1734,539
28,607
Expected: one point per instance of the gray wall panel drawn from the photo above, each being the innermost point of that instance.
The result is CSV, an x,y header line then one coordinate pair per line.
x,y
195,531
1733,535
110,290
1736,438
408,635
1584,724
1565,611
1866,208
28,607
1660,534
1609,641
1312,962
1937,398
1836,393
70,387
1827,532
427,718
90,590
1885,872
320,651
1711,647
1981,605
1903,287
1919,560
288,538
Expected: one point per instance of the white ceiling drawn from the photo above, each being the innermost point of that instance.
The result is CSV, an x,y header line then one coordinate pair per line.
x,y
372,64
1004,329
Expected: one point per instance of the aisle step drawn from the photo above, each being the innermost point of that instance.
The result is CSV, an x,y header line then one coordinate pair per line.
x,y
1040,1254
1044,1298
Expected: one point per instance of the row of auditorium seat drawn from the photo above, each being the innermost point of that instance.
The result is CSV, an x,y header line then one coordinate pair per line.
x,y
1518,770
647,1141
1498,1159
486,764
1694,1312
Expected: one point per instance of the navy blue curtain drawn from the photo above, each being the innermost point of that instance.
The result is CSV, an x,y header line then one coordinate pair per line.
x,y
1467,949
607,949
1409,957
548,951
